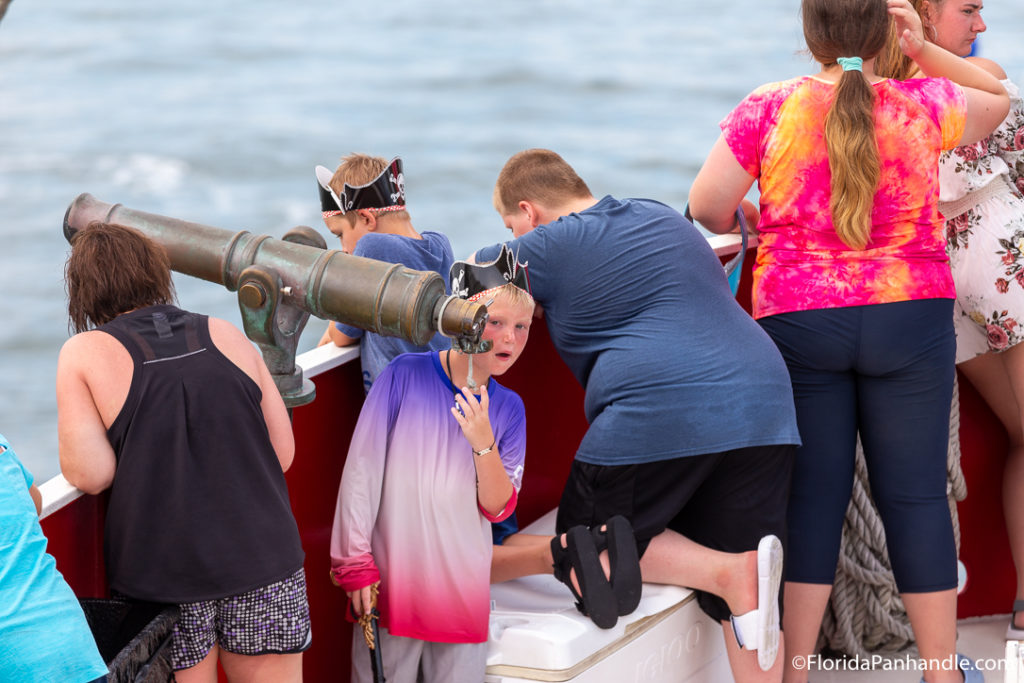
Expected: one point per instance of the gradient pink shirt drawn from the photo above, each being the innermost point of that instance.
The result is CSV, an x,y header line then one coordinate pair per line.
x,y
407,504
777,135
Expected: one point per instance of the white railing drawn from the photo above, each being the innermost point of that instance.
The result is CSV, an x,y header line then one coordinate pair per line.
x,y
57,492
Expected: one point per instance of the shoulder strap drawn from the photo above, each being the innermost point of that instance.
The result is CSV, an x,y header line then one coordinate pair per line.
x,y
132,341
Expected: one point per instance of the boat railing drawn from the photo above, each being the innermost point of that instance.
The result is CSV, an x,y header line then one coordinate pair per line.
x,y
58,493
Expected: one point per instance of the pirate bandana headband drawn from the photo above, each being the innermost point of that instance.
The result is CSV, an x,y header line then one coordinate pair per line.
x,y
386,192
474,281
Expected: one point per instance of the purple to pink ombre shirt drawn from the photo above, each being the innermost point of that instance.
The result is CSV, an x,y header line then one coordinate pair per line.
x,y
407,505
777,135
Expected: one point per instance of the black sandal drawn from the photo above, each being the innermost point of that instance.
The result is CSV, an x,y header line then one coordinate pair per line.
x,y
595,598
620,542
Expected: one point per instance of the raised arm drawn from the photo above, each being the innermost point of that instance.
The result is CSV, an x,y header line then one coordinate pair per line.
x,y
987,100
495,493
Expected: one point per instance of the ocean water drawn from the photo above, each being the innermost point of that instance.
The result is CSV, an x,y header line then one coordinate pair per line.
x,y
217,112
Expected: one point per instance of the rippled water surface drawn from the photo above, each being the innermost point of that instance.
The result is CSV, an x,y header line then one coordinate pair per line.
x,y
217,112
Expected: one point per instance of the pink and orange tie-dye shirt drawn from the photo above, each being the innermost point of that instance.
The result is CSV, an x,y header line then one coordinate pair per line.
x,y
777,135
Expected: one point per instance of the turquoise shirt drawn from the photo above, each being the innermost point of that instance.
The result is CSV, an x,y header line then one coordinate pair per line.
x,y
44,637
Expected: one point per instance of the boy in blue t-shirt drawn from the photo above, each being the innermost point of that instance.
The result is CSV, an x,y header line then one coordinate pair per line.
x,y
363,204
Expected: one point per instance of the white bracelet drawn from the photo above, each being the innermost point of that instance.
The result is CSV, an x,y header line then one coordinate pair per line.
x,y
484,451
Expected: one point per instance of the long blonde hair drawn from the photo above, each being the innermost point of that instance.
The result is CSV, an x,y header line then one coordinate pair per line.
x,y
849,28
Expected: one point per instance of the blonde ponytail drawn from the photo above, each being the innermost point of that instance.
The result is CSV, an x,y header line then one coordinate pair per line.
x,y
852,158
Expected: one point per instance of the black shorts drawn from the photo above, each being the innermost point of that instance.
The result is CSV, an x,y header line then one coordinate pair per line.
x,y
725,501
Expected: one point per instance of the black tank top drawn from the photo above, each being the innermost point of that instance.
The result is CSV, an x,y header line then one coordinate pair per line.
x,y
199,507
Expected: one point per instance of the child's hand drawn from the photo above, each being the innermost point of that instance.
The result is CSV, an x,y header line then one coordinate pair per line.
x,y
362,600
908,27
473,417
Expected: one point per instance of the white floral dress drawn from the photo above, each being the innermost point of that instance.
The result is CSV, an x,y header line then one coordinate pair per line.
x,y
981,198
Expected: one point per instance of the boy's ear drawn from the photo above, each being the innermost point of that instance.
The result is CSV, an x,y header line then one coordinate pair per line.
x,y
532,212
369,218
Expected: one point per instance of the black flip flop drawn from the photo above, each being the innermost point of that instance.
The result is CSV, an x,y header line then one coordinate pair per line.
x,y
595,598
620,541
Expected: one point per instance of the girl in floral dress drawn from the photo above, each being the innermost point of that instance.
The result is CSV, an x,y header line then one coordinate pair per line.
x,y
981,198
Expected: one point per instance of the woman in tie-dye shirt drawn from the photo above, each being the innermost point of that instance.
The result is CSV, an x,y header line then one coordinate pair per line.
x,y
853,284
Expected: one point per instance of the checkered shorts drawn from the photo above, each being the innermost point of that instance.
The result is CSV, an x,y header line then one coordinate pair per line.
x,y
273,619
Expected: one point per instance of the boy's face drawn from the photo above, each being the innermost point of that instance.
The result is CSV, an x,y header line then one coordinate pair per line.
x,y
519,222
348,232
508,328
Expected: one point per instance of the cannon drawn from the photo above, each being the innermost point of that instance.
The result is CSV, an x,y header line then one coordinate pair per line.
x,y
280,283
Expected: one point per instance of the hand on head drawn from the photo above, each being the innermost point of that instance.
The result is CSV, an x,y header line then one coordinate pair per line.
x,y
908,27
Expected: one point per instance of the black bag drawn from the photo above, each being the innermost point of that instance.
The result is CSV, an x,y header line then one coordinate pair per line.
x,y
132,637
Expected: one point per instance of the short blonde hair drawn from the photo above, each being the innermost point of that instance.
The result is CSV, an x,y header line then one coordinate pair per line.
x,y
359,169
513,295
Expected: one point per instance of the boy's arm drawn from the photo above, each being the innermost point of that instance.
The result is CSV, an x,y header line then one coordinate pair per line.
x,y
495,494
353,567
333,334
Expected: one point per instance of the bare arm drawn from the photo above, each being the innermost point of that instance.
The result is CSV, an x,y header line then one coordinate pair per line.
x,y
37,498
719,188
279,424
86,457
989,66
494,488
240,351
333,334
987,101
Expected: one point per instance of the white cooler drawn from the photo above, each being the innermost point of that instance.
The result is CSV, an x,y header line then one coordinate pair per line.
x,y
536,634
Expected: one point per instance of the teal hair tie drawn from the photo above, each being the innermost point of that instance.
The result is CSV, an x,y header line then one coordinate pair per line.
x,y
851,63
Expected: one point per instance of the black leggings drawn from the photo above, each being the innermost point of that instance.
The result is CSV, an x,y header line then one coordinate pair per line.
x,y
886,372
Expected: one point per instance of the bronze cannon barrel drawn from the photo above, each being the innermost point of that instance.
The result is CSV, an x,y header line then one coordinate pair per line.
x,y
382,297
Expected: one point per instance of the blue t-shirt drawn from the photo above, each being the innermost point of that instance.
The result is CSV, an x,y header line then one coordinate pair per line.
x,y
43,632
433,252
640,310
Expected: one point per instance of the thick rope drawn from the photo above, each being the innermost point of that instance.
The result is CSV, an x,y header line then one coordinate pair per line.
x,y
865,613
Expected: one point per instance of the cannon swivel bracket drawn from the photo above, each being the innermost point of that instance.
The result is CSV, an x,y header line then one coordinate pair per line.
x,y
275,327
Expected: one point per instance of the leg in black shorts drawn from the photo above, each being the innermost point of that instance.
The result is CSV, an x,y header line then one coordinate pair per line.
x,y
724,501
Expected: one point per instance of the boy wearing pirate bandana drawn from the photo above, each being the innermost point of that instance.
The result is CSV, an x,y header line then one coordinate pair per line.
x,y
692,427
436,455
363,204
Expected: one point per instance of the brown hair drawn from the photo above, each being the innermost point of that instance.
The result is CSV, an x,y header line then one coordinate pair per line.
x,y
537,175
114,269
359,169
892,63
849,28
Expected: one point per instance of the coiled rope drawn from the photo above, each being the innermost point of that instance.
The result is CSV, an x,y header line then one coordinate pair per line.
x,y
865,614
